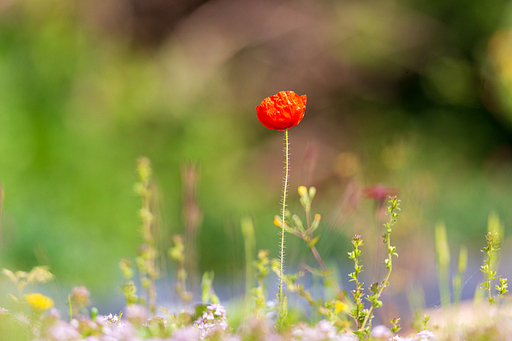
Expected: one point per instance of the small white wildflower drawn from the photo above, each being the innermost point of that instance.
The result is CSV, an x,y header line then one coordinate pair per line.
x,y
80,296
272,312
232,338
22,318
298,333
256,327
3,311
425,335
327,329
274,337
92,325
137,314
106,330
399,338
62,331
123,331
111,319
188,333
53,313
324,330
74,323
347,337
325,325
381,332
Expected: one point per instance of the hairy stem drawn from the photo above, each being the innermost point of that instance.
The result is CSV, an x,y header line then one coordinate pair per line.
x,y
283,217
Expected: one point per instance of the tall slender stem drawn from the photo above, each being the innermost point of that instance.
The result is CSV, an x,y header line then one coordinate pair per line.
x,y
384,284
283,217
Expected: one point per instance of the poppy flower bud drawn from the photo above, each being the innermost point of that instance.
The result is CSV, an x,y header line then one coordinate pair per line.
x,y
282,110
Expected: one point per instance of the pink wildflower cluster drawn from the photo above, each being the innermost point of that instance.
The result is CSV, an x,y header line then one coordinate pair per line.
x,y
212,321
101,328
133,325
323,331
80,296
383,333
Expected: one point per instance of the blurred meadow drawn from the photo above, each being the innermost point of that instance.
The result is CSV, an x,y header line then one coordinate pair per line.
x,y
412,95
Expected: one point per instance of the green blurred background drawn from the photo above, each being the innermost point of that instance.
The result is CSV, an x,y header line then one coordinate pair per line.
x,y
414,95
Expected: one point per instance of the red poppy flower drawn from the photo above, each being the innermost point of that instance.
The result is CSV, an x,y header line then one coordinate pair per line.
x,y
282,110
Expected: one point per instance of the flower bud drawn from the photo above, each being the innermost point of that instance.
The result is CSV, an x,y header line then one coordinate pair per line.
x,y
303,191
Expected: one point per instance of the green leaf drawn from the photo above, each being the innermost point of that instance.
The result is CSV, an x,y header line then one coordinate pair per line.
x,y
313,242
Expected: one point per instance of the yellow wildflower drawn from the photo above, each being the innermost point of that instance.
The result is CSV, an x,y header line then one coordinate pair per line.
x,y
339,306
303,191
39,302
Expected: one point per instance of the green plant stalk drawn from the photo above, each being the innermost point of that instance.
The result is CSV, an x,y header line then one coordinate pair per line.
x,y
358,299
151,291
443,263
207,294
147,255
151,274
262,271
177,253
488,282
385,283
374,299
70,308
461,269
282,303
357,294
492,249
494,232
250,245
496,228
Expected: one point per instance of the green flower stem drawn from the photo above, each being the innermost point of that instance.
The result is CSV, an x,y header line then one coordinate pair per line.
x,y
70,308
282,307
146,261
250,245
377,288
357,294
443,263
384,286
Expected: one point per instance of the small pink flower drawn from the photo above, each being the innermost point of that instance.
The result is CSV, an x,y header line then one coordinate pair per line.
x,y
379,192
80,296
136,314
